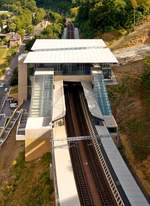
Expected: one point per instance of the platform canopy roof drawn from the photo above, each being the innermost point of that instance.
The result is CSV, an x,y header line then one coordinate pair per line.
x,y
70,51
60,44
91,100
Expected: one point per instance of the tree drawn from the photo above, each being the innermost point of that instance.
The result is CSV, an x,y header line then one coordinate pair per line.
x,y
39,15
29,4
108,15
134,5
144,3
21,32
74,12
29,29
145,79
11,27
120,4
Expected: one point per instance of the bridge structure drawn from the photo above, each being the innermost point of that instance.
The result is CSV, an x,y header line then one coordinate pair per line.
x,y
70,113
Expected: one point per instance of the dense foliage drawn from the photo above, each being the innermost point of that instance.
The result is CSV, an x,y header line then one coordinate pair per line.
x,y
22,15
91,16
59,5
99,15
145,81
54,30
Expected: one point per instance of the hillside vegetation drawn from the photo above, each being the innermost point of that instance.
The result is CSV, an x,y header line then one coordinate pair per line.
x,y
93,17
24,15
29,184
62,6
96,16
131,106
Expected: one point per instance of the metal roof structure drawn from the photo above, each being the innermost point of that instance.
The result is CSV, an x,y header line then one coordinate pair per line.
x,y
110,121
126,180
61,51
90,55
91,101
59,109
55,44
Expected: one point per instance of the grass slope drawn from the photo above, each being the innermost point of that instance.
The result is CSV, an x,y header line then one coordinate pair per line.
x,y
29,183
3,54
132,112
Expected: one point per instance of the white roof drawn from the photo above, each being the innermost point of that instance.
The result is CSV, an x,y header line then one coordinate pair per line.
x,y
39,72
91,100
110,121
91,55
49,44
127,181
67,191
34,122
59,107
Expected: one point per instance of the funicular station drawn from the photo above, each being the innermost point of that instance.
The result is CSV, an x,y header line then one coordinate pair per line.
x,y
70,114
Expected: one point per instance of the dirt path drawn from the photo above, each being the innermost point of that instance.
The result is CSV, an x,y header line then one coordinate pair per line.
x,y
140,35
40,27
132,54
133,46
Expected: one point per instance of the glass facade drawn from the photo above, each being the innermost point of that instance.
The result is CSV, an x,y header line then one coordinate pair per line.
x,y
101,94
68,69
42,93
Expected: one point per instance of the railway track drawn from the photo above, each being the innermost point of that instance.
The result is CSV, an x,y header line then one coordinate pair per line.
x,y
91,184
70,31
82,186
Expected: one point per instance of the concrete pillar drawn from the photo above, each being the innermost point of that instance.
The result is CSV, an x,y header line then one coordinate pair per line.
x,y
22,79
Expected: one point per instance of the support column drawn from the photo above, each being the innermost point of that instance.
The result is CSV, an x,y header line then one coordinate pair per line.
x,y
22,79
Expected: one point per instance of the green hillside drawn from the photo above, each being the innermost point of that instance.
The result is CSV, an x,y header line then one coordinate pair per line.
x,y
102,16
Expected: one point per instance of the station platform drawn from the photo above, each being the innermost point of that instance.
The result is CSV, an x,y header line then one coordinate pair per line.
x,y
59,108
91,100
66,187
125,179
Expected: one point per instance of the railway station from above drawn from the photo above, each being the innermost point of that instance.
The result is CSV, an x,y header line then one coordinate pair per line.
x,y
65,80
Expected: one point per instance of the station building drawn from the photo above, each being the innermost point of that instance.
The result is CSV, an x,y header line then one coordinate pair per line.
x,y
52,62
42,75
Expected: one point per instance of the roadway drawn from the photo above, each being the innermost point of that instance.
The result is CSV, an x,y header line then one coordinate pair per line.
x,y
4,101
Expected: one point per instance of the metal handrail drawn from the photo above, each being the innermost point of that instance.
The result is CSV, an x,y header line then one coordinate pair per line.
x,y
9,121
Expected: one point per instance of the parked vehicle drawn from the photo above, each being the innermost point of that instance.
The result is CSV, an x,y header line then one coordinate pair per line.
x,y
2,85
13,105
6,89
